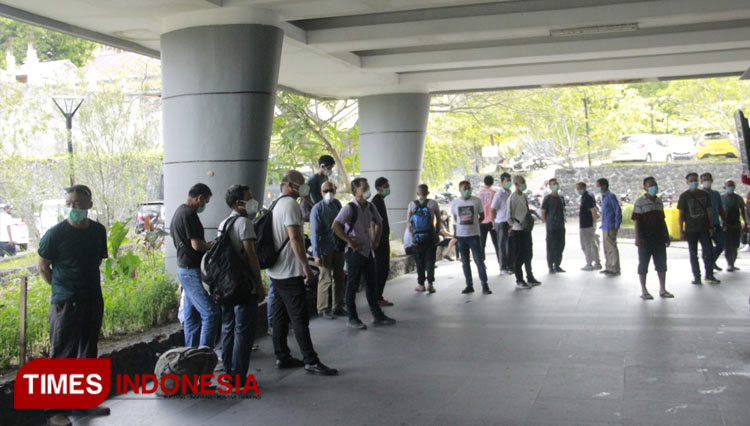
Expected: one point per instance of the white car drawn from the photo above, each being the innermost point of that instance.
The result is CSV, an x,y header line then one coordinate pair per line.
x,y
680,147
641,147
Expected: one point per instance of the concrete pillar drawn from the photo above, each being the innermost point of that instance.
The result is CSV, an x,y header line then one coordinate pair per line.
x,y
218,93
392,131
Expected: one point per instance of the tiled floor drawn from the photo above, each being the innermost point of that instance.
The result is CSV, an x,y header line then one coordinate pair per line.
x,y
580,349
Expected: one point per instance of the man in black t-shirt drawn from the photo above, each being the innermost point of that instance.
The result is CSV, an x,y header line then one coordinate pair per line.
x,y
70,254
200,313
587,215
383,253
696,225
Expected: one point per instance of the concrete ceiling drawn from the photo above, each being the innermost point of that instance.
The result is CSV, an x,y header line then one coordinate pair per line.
x,y
351,48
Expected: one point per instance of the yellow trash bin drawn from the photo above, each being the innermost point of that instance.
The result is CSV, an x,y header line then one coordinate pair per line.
x,y
672,217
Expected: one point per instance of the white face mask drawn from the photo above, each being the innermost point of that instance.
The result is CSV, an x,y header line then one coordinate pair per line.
x,y
328,172
328,197
304,190
706,184
251,207
367,194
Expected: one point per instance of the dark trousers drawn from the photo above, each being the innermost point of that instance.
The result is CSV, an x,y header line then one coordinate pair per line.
x,y
521,250
706,252
289,306
357,267
555,247
238,335
484,229
6,249
74,328
425,259
732,239
718,243
382,266
502,246
466,244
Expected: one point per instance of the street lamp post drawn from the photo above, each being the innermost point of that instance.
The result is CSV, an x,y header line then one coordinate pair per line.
x,y
68,106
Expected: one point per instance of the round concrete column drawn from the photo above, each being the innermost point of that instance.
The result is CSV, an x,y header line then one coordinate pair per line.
x,y
392,132
218,93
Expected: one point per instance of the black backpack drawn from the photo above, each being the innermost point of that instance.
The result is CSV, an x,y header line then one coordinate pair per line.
x,y
264,246
224,272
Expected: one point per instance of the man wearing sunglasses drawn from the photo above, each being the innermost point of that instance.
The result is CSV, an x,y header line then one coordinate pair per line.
x,y
329,254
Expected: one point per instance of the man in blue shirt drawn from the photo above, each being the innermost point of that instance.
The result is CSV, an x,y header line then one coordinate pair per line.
x,y
328,257
718,215
611,220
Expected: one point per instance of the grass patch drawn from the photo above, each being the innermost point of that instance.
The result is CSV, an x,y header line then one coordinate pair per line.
x,y
25,259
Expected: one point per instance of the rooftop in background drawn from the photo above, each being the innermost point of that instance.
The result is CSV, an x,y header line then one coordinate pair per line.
x,y
350,48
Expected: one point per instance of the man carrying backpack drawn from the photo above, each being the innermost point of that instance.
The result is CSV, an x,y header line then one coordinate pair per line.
x,y
358,223
423,220
238,321
328,256
291,274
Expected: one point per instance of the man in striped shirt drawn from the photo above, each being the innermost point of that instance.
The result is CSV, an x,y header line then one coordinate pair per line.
x,y
651,237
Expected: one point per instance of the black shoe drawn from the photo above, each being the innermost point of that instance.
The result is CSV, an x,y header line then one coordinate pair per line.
x,y
356,323
552,271
605,271
559,269
383,321
320,369
522,285
486,290
533,281
283,364
328,315
468,290
711,280
696,281
716,268
340,313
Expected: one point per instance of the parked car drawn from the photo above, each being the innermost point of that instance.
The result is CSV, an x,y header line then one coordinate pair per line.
x,y
716,143
680,147
641,147
154,211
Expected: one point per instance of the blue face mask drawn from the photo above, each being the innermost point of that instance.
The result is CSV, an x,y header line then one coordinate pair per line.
x,y
693,185
652,190
730,190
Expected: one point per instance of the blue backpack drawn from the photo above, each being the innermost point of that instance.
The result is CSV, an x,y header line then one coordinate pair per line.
x,y
422,226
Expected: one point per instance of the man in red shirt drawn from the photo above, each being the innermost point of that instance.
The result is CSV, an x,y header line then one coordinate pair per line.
x,y
486,195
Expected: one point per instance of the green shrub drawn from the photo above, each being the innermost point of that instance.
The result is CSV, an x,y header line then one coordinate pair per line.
x,y
627,213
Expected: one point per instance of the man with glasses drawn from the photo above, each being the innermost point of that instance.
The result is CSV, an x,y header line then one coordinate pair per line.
x,y
328,256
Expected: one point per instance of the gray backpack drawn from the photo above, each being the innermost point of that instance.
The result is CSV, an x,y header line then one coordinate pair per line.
x,y
184,360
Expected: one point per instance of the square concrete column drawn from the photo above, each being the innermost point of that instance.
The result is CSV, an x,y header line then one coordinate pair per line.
x,y
392,131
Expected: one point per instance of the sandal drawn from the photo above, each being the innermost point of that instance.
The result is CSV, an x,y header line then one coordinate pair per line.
x,y
647,296
666,295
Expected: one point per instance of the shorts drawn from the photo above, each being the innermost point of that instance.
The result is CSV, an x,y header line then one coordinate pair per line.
x,y
652,249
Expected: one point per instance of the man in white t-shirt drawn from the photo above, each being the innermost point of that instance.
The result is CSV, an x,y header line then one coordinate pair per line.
x,y
290,275
500,210
7,245
468,212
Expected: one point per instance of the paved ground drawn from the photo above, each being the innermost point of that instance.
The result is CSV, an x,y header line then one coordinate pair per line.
x,y
580,349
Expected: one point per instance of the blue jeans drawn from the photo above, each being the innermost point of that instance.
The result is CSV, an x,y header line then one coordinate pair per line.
x,y
200,312
269,302
238,335
474,244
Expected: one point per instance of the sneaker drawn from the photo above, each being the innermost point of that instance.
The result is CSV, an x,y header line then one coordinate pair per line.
x,y
448,258
320,369
733,268
284,364
597,266
605,271
419,288
523,285
384,302
559,269
533,281
468,290
431,288
340,313
696,281
356,323
383,321
58,420
716,268
504,272
486,290
587,268
711,280
327,315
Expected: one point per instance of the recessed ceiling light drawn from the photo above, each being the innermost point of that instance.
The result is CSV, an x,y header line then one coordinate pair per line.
x,y
599,29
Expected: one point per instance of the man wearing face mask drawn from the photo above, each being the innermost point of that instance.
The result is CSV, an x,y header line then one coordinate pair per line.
x,y
587,215
520,244
611,220
290,275
553,215
734,207
358,223
696,225
383,253
651,237
326,163
468,212
70,254
238,321
201,314
718,215
328,257
499,208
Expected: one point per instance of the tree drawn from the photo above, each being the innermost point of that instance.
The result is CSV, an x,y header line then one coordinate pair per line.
x,y
50,45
